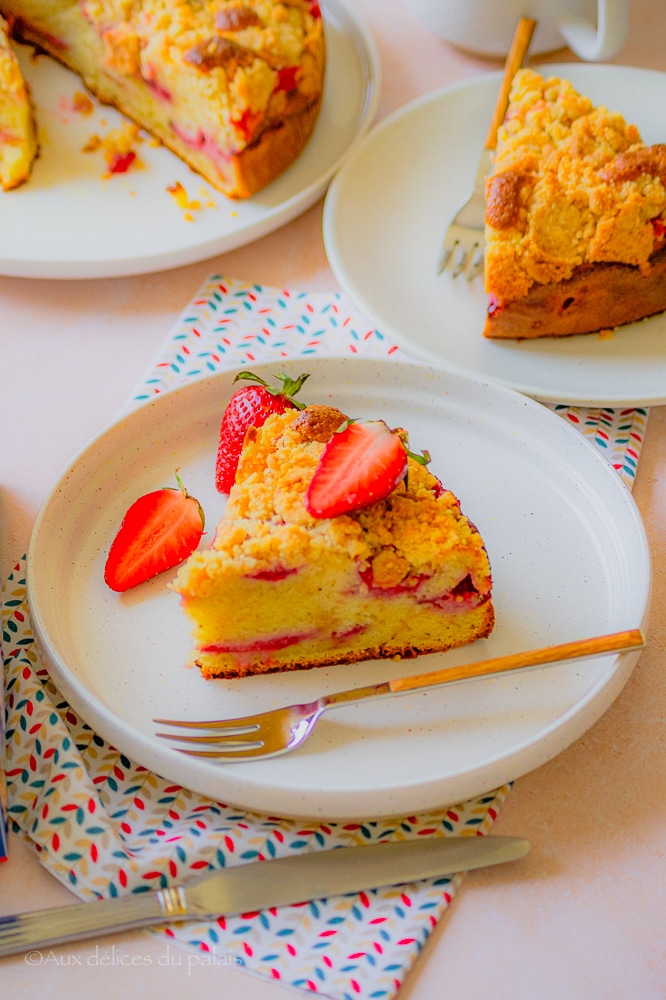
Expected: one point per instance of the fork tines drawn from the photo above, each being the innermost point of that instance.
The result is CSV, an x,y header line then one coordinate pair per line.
x,y
464,243
461,257
235,737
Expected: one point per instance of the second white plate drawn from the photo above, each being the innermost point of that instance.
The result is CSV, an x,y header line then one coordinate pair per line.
x,y
386,214
569,559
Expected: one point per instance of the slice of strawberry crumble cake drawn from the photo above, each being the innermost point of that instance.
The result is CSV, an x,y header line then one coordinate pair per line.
x,y
336,545
575,217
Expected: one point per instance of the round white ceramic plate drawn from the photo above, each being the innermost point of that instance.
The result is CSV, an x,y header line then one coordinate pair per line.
x,y
569,560
70,222
386,214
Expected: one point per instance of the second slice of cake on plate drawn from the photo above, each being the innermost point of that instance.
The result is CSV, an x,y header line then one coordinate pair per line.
x,y
575,217
282,588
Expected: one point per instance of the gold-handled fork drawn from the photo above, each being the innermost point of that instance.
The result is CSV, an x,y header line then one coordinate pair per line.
x,y
279,730
464,244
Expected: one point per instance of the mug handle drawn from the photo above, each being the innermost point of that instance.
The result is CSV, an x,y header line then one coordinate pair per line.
x,y
604,41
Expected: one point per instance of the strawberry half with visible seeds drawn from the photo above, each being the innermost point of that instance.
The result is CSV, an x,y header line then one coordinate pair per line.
x,y
250,406
361,464
158,532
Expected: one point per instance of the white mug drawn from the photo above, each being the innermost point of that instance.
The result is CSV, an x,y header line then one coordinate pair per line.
x,y
593,29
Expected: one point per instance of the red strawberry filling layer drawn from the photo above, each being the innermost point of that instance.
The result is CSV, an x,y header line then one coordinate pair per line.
x,y
273,575
287,79
349,633
463,597
159,89
203,143
659,230
259,645
248,123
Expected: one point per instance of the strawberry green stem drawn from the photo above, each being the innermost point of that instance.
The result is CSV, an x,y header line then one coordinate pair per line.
x,y
289,387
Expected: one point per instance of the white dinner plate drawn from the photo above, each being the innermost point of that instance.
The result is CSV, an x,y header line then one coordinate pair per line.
x,y
569,560
386,214
70,222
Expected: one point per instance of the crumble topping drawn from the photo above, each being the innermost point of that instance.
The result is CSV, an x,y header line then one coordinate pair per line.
x,y
267,520
242,50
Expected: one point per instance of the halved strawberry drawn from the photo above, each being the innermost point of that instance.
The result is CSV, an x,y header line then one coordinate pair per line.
x,y
361,464
159,530
250,406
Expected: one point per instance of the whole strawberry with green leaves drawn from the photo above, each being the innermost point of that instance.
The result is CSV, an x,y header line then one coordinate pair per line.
x,y
250,406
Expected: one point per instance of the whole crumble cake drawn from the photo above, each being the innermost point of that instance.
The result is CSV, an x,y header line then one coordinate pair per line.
x,y
575,217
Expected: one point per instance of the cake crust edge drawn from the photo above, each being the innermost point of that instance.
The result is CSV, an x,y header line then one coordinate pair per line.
x,y
613,295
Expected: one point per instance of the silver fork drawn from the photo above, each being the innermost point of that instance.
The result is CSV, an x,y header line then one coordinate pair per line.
x,y
464,244
269,734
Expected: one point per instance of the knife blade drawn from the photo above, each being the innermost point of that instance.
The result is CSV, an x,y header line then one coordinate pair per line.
x,y
258,885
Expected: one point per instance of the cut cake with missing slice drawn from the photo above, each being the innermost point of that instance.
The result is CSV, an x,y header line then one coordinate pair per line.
x,y
575,217
232,87
281,590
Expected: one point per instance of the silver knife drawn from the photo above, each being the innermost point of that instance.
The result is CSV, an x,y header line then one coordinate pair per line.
x,y
261,884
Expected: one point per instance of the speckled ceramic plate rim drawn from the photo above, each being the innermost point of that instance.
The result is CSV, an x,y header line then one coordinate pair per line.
x,y
345,770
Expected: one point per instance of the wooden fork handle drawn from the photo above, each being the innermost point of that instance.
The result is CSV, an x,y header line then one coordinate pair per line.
x,y
519,47
616,641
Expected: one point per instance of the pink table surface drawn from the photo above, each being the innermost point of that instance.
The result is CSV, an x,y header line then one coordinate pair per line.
x,y
584,914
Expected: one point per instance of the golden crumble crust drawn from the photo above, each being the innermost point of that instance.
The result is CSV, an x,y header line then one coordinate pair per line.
x,y
572,184
266,518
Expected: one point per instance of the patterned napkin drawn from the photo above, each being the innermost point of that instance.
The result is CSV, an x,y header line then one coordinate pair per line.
x,y
104,825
